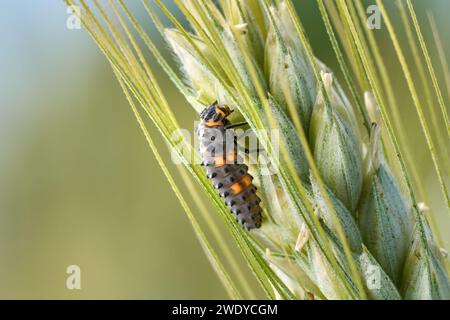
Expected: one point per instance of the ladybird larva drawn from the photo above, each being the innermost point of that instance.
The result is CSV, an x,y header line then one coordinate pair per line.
x,y
218,149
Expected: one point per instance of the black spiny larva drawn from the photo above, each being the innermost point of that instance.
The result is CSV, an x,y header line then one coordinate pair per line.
x,y
218,148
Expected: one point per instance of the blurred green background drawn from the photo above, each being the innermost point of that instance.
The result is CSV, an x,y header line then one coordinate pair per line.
x,y
78,184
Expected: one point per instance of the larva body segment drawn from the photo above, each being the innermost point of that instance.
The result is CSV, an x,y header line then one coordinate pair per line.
x,y
218,149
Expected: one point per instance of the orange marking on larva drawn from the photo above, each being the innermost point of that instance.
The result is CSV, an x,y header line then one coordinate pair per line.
x,y
219,161
246,181
212,123
236,188
218,111
231,157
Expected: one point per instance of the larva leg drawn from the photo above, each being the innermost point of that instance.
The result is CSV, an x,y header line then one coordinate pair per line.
x,y
235,125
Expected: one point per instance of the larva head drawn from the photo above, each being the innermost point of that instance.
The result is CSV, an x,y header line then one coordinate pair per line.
x,y
215,113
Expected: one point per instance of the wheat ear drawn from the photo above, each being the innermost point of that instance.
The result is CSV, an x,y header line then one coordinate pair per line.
x,y
337,224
